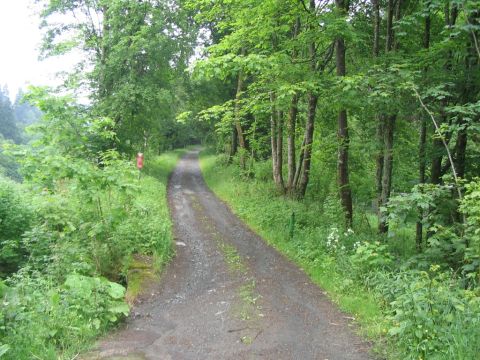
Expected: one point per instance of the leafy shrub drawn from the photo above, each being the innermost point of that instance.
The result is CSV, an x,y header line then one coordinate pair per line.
x,y
40,317
432,315
263,170
470,207
223,159
15,219
92,213
88,225
147,228
8,165
445,244
370,257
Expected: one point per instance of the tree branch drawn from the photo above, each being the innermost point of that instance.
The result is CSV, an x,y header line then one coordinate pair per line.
x,y
437,130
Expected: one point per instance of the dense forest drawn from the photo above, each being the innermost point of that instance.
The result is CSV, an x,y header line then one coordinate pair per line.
x,y
345,132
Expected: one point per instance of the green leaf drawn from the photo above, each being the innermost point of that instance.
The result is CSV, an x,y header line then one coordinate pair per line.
x,y
395,331
4,349
119,308
116,291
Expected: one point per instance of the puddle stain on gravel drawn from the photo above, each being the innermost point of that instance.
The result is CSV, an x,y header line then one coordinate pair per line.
x,y
97,356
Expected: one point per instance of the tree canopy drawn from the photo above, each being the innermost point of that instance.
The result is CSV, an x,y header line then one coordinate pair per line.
x,y
367,112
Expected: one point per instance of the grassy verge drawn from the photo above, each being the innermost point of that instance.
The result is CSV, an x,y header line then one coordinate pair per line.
x,y
159,169
300,237
143,270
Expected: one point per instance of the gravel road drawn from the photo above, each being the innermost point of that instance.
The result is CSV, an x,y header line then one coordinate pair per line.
x,y
228,295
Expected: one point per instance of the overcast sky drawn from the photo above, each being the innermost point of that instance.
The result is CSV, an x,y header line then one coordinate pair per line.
x,y
19,43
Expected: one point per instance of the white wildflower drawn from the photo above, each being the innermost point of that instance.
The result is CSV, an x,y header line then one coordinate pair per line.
x,y
332,239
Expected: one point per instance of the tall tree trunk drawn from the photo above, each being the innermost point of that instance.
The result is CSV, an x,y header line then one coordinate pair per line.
x,y
276,132
238,124
471,88
379,161
388,128
305,160
376,27
379,119
273,136
421,179
343,174
276,121
343,137
438,149
291,130
437,157
280,148
307,157
426,33
299,167
422,141
291,126
233,144
470,92
460,150
387,169
390,33
451,15
102,54
397,16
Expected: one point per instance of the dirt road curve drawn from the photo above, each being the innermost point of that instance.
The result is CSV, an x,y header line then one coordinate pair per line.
x,y
227,295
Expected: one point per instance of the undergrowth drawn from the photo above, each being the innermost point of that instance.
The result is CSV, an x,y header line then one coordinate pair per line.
x,y
65,264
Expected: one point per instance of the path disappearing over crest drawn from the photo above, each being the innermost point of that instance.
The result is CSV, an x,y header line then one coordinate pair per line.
x,y
228,295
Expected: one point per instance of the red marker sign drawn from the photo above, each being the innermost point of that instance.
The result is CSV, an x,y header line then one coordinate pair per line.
x,y
140,161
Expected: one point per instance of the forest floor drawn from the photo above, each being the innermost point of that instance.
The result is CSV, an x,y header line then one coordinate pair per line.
x,y
227,294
